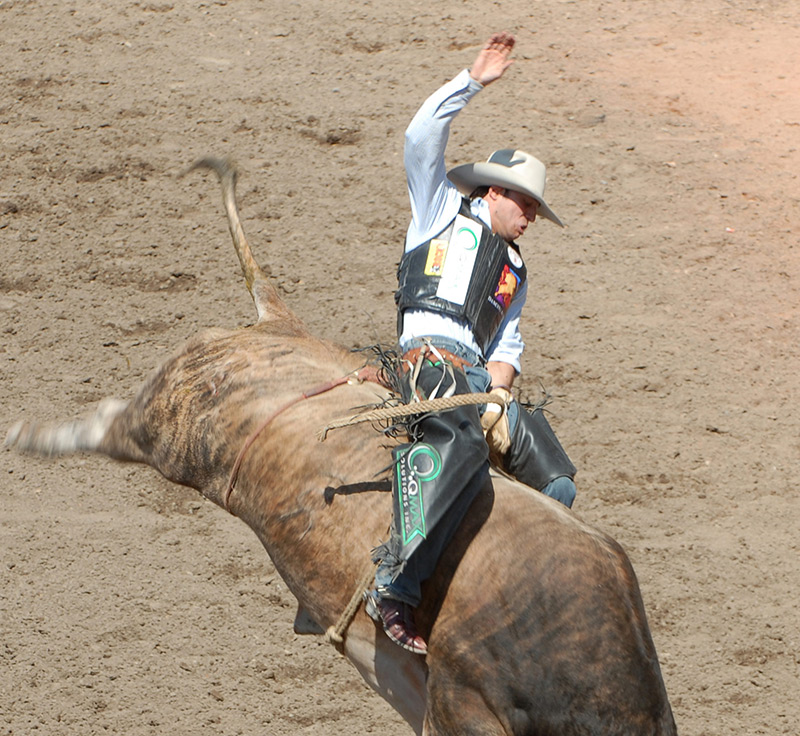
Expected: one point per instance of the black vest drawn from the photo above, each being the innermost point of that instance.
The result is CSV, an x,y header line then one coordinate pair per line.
x,y
466,272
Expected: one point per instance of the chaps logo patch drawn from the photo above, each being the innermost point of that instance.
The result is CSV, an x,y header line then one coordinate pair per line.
x,y
416,467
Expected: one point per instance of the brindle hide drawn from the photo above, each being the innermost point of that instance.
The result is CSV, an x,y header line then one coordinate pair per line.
x,y
534,620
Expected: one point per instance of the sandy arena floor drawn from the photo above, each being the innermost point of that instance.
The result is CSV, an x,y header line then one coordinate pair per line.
x,y
664,320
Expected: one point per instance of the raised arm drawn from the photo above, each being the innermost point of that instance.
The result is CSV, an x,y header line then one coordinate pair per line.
x,y
434,200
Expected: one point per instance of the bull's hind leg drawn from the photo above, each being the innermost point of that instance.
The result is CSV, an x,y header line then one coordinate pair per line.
x,y
92,434
454,707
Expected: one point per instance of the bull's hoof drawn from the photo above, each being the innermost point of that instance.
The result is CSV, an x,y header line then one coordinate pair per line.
x,y
397,619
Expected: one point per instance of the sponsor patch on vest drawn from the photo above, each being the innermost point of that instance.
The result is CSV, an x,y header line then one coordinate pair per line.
x,y
514,257
506,287
461,255
437,253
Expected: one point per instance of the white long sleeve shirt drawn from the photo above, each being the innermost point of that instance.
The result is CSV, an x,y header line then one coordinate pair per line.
x,y
435,202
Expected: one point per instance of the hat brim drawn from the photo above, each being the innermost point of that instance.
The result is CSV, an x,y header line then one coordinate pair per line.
x,y
468,177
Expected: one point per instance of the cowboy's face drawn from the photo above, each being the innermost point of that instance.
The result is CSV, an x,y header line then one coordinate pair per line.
x,y
511,212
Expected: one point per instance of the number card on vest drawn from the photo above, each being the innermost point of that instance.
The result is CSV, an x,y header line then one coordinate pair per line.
x,y
460,260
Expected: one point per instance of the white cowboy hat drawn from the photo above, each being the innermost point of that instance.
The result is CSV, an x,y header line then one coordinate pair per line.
x,y
509,168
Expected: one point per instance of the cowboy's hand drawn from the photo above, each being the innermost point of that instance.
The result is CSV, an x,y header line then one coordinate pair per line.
x,y
493,59
495,423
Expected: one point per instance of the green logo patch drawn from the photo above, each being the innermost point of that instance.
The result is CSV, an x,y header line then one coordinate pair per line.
x,y
419,465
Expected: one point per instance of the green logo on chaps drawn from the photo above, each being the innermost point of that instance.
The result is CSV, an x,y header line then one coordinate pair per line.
x,y
421,464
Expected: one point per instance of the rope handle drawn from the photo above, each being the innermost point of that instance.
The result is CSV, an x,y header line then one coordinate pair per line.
x,y
407,410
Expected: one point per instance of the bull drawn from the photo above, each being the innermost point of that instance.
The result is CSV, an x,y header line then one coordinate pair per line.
x,y
534,620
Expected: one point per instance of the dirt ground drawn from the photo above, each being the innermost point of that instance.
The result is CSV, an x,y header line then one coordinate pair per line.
x,y
664,320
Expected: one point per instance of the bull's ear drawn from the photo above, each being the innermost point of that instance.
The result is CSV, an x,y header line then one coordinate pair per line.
x,y
269,305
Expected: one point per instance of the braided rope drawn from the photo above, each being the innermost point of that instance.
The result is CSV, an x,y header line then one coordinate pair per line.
x,y
407,410
335,634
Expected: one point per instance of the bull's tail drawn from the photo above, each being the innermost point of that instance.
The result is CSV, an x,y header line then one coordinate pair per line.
x,y
269,305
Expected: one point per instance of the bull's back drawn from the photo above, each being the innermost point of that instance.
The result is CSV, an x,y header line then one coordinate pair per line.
x,y
542,623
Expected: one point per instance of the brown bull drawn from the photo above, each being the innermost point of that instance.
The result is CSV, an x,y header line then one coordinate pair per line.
x,y
534,620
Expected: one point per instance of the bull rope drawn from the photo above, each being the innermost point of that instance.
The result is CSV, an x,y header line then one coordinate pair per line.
x,y
406,410
335,634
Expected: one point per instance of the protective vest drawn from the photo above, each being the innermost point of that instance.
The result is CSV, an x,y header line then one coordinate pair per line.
x,y
466,272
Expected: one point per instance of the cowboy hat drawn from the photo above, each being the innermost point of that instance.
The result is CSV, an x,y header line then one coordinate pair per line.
x,y
509,168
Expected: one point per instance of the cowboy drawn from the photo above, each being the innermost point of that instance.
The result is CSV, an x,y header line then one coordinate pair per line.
x,y
461,288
